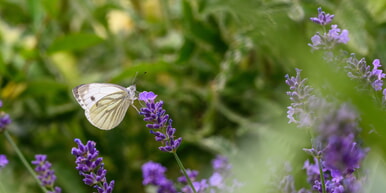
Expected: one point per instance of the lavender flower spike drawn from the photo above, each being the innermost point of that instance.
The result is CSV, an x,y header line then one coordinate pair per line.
x,y
300,93
45,174
91,167
323,18
159,122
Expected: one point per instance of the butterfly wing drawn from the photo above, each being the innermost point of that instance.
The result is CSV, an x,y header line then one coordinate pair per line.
x,y
105,104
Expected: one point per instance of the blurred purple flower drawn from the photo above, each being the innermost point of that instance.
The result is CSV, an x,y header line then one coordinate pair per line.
x,y
337,35
221,164
343,155
4,118
91,167
192,174
159,122
166,186
154,174
323,18
45,174
216,180
200,187
3,161
338,184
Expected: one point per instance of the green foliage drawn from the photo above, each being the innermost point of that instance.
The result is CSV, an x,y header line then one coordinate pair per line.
x,y
219,67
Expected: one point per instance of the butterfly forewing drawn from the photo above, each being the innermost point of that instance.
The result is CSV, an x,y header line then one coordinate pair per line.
x,y
88,94
105,104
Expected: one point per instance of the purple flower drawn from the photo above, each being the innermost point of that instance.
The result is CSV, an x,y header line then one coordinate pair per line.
x,y
147,96
192,174
154,174
217,181
166,186
376,76
323,18
221,179
3,158
159,122
358,69
343,155
327,41
337,35
304,103
312,170
342,121
200,187
4,118
221,164
45,174
91,167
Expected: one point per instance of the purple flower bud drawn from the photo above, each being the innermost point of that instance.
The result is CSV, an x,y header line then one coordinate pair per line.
x,y
323,18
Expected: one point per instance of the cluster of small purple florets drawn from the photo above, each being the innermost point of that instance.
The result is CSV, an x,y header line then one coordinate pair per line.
x,y
328,40
45,174
91,167
359,70
335,147
154,174
159,122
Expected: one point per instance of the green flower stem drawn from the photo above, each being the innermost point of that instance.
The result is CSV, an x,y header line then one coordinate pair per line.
x,y
321,175
22,158
184,171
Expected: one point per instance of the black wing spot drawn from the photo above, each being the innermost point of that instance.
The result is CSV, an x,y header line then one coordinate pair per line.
x,y
92,98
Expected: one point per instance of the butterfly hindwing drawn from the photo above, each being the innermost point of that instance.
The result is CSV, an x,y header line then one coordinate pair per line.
x,y
109,111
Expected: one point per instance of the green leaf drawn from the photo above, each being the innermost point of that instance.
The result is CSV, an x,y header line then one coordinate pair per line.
x,y
73,42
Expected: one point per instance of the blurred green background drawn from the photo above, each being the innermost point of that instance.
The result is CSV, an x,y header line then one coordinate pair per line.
x,y
218,65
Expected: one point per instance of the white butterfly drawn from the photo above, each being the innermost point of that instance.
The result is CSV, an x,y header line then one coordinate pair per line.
x,y
105,104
